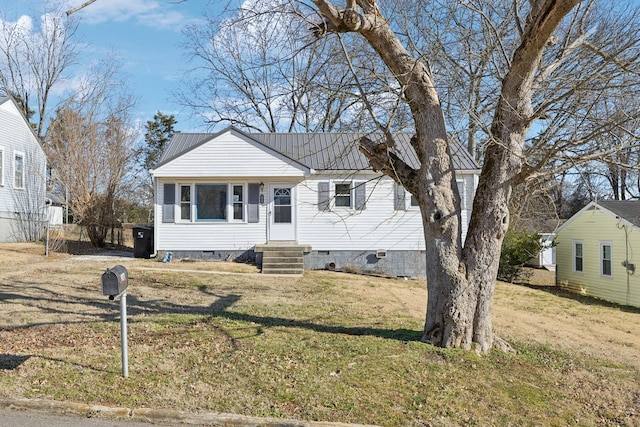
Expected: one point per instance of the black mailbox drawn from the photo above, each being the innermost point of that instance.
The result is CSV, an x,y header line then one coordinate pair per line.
x,y
114,281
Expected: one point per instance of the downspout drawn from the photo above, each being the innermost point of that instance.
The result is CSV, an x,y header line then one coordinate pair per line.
x,y
155,215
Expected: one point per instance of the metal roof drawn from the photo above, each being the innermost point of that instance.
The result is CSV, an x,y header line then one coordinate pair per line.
x,y
319,151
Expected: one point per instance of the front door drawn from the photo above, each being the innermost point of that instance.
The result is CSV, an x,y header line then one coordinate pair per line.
x,y
282,212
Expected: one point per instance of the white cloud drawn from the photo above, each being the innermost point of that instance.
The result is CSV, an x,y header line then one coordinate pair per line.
x,y
146,12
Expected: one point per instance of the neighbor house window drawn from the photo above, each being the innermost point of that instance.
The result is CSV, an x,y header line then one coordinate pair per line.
x,y
578,257
605,259
18,171
1,166
343,194
185,202
211,201
238,202
414,201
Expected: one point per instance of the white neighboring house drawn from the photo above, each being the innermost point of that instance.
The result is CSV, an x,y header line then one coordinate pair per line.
x,y
23,167
232,195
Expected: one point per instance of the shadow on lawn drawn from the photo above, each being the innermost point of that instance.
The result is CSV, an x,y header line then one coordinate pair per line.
x,y
58,303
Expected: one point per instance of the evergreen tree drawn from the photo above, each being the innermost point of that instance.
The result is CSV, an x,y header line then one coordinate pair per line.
x,y
159,132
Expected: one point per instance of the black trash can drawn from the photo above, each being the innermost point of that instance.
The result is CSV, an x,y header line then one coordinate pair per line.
x,y
142,242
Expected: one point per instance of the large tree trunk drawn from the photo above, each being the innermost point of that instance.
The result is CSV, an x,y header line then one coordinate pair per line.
x,y
460,280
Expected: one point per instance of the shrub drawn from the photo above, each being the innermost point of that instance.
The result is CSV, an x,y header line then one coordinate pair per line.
x,y
518,247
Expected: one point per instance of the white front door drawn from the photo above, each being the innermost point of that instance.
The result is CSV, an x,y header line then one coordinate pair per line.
x,y
282,212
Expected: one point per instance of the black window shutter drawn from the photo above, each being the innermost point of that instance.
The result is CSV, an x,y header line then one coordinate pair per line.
x,y
168,211
253,206
360,191
323,196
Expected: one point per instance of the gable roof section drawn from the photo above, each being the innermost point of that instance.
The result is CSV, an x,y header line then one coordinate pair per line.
x,y
16,109
626,210
319,151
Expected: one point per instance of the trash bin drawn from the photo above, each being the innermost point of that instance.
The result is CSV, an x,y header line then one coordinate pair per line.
x,y
142,242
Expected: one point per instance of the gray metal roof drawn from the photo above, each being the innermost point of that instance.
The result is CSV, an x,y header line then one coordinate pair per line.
x,y
319,151
626,209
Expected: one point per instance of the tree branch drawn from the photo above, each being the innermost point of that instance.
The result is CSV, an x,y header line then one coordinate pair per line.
x,y
82,6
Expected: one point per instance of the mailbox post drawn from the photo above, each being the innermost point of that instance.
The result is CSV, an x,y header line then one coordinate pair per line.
x,y
114,283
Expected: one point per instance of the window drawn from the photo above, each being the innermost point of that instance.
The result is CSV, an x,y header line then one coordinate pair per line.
x,y
605,259
185,202
578,257
18,171
238,202
414,201
282,212
211,201
343,195
1,166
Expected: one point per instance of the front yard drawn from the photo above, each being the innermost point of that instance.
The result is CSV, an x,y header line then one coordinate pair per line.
x,y
207,336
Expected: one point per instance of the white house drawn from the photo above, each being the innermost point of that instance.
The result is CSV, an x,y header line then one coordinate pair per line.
x,y
235,195
598,252
23,168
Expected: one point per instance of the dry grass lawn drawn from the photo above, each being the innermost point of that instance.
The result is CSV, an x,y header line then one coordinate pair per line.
x,y
328,346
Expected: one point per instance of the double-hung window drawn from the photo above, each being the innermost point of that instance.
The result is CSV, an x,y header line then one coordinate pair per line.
x,y
605,259
343,194
185,202
578,257
238,202
18,170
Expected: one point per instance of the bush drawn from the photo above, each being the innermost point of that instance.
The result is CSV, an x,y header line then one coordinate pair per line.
x,y
518,247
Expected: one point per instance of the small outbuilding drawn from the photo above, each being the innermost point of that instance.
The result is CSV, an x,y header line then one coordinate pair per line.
x,y
598,252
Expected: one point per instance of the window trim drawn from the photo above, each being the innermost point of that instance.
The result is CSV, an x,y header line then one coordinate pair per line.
x,y
574,256
20,154
335,194
601,258
190,201
232,202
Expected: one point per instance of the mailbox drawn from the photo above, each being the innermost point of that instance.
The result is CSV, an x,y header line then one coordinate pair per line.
x,y
114,281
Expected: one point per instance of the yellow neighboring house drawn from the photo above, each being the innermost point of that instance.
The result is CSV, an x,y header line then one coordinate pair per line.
x,y
598,252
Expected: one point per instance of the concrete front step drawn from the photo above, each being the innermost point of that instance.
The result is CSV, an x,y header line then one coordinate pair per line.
x,y
282,258
292,271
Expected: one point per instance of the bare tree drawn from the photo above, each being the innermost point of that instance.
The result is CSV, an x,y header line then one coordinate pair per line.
x,y
34,60
259,71
90,144
461,279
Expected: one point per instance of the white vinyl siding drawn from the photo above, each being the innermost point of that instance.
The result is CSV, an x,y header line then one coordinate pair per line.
x,y
238,159
28,196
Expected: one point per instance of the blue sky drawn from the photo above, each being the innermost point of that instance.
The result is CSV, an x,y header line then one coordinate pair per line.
x,y
145,34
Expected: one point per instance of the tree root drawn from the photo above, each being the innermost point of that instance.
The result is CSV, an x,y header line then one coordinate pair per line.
x,y
502,345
